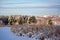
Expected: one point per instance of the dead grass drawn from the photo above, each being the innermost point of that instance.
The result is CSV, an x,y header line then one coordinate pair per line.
x,y
48,30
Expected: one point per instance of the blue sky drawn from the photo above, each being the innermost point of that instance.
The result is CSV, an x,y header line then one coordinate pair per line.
x,y
29,7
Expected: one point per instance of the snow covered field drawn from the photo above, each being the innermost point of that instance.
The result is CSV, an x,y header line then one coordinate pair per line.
x,y
38,32
30,32
6,34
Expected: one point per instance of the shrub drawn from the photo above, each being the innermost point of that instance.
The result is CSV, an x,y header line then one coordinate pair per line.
x,y
32,19
50,22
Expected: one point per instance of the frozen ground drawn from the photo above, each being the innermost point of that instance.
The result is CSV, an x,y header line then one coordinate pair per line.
x,y
38,32
6,34
30,32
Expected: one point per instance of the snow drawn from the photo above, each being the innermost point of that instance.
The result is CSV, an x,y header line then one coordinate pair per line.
x,y
6,34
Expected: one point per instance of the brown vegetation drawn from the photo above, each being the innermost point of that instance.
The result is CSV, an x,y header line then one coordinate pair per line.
x,y
48,31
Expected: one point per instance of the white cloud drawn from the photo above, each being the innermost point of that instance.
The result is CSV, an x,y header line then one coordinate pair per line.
x,y
26,4
38,11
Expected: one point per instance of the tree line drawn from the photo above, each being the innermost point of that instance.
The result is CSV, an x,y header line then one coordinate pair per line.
x,y
12,20
18,19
